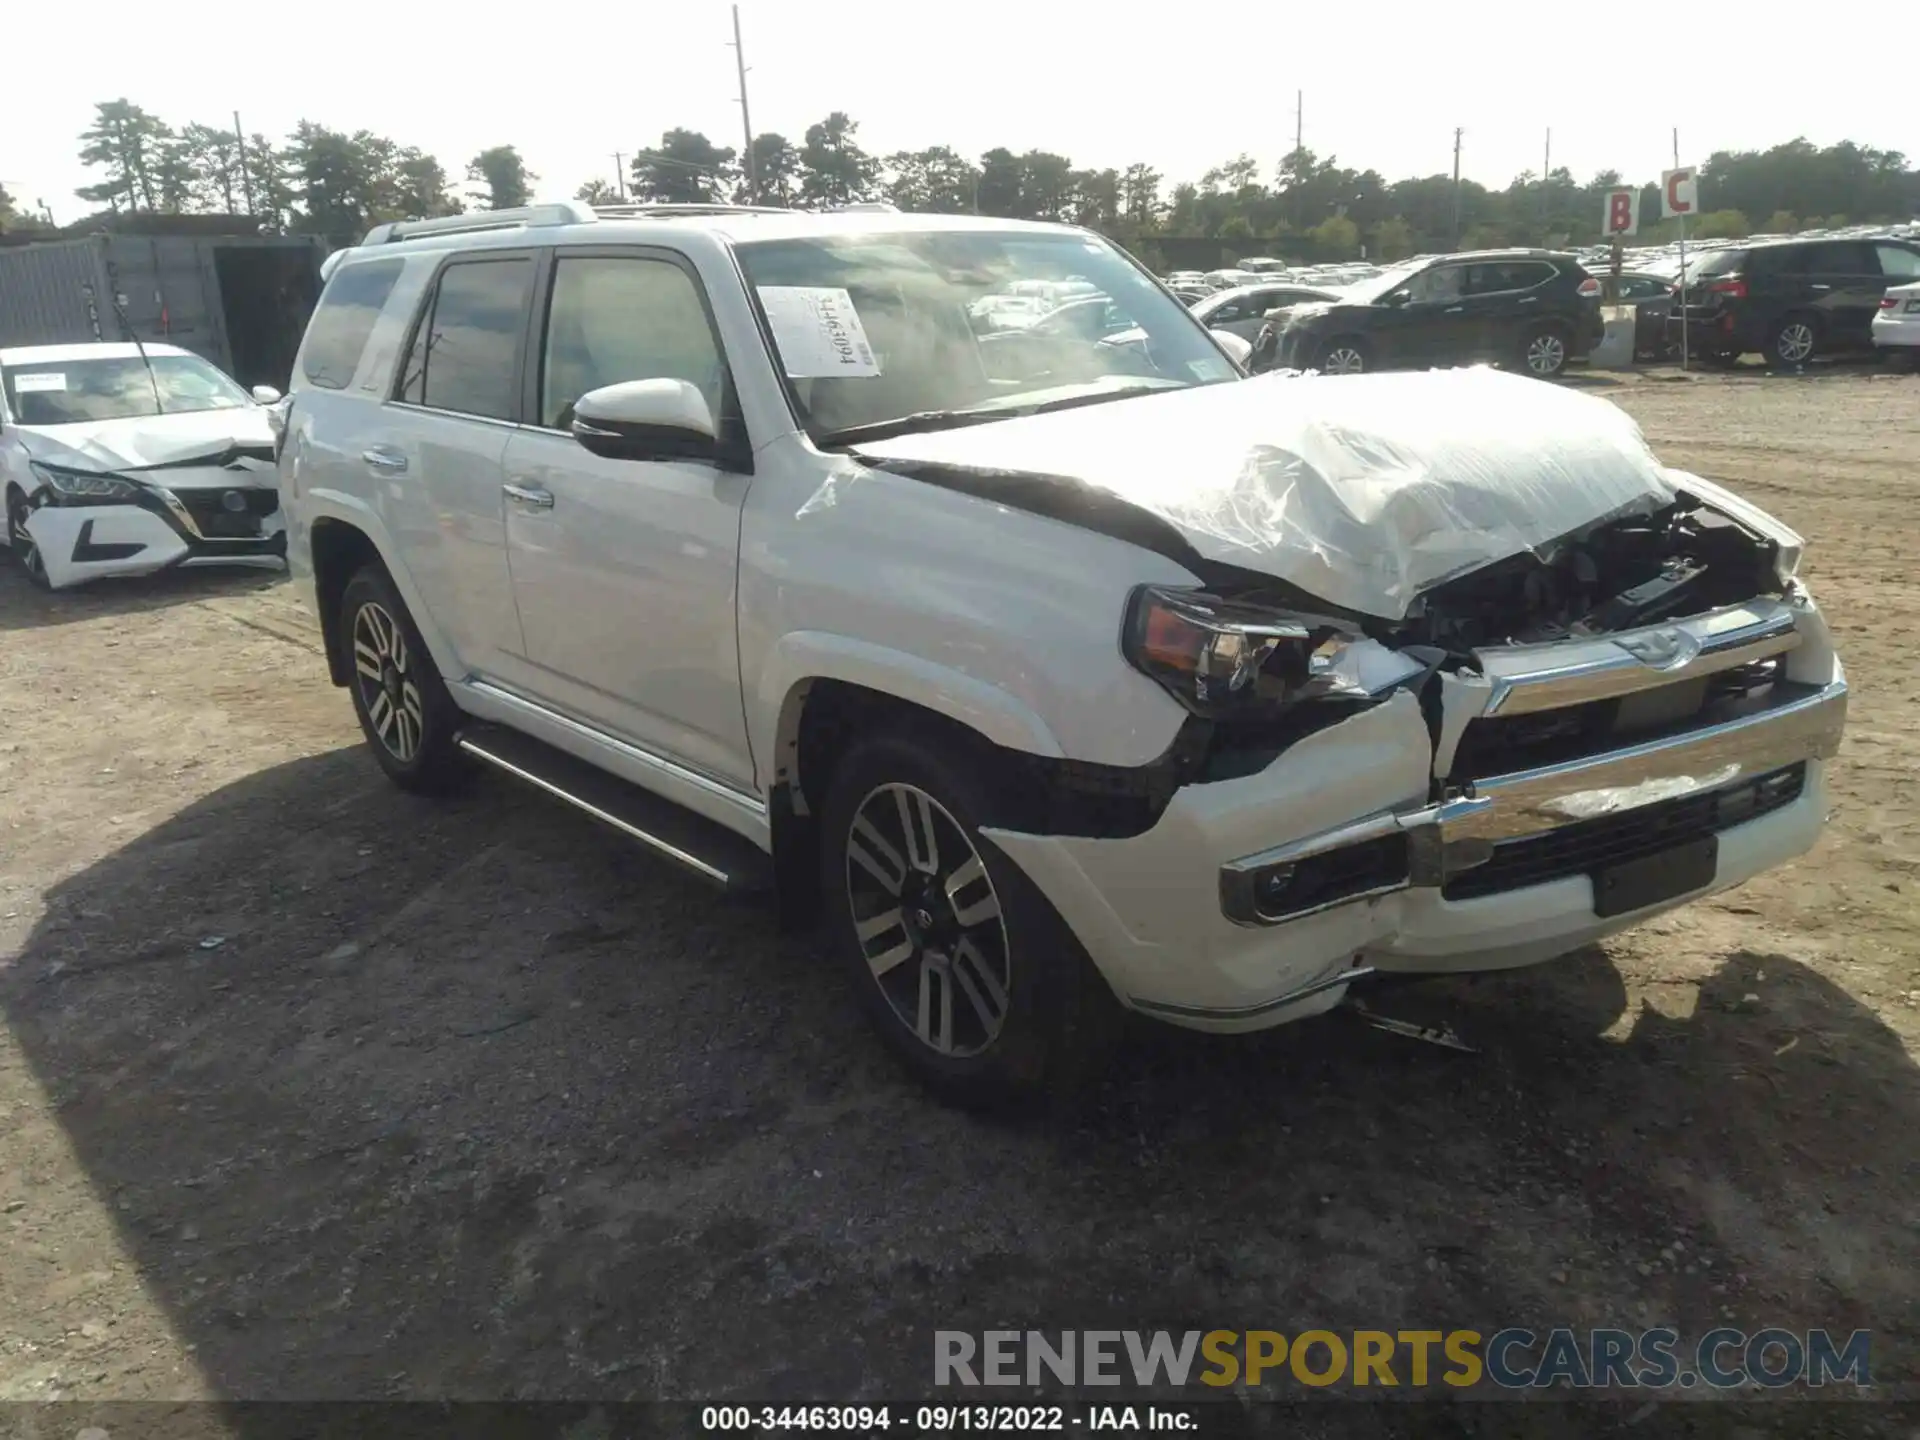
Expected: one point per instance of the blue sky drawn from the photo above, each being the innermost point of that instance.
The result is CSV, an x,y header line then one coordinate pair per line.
x,y
1181,88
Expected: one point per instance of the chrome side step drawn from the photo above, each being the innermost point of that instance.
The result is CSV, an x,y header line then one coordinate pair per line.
x,y
709,850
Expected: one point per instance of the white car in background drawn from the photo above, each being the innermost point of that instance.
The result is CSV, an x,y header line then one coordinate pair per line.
x,y
1896,325
125,460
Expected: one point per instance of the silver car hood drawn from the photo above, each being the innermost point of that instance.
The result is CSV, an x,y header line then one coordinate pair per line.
x,y
143,441
1360,490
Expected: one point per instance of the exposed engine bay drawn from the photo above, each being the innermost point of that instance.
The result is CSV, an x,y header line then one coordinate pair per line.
x,y
1683,559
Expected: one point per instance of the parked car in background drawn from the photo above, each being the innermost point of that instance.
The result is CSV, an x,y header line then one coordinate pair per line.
x,y
1652,299
1243,310
119,460
1532,310
1896,328
1791,300
1058,678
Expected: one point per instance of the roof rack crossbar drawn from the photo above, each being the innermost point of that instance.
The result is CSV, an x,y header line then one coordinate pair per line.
x,y
557,212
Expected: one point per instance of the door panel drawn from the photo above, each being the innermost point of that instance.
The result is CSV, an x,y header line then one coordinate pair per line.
x,y
435,454
1434,326
624,570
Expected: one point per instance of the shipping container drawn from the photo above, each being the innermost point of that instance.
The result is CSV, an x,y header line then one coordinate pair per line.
x,y
241,301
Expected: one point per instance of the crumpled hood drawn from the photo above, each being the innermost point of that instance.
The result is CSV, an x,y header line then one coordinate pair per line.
x,y
147,440
1361,490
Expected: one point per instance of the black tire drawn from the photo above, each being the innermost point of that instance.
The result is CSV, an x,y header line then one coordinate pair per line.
x,y
405,712
1542,351
20,544
1793,341
1344,355
1057,1018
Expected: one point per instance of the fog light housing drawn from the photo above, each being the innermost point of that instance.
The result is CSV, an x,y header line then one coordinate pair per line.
x,y
1292,881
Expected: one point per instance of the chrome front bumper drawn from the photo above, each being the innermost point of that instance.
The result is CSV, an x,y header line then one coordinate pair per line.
x,y
1460,832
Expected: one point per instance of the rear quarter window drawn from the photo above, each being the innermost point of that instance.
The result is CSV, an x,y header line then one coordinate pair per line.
x,y
344,320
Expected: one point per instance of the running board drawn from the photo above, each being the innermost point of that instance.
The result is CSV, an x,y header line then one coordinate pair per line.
x,y
709,850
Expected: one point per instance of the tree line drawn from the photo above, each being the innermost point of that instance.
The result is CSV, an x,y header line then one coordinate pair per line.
x,y
337,184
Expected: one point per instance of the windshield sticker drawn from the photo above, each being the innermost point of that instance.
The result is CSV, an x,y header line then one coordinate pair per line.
x,y
818,331
27,383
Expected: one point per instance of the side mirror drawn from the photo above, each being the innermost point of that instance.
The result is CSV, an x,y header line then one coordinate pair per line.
x,y
265,394
1239,349
647,420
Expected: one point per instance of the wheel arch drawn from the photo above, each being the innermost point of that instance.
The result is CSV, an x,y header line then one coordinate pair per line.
x,y
338,540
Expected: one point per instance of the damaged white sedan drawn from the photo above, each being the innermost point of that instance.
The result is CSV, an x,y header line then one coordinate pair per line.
x,y
127,459
1066,677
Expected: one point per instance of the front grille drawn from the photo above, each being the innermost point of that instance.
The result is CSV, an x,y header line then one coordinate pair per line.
x,y
216,521
1587,845
1503,744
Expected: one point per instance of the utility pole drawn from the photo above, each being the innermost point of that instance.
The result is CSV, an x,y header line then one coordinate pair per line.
x,y
620,173
1546,172
1685,338
1457,133
246,180
1299,121
746,120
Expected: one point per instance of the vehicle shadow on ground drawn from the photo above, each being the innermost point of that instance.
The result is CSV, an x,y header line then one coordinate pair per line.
x,y
471,1100
23,606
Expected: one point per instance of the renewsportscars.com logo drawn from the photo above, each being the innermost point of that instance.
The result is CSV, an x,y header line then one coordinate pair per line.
x,y
1509,1359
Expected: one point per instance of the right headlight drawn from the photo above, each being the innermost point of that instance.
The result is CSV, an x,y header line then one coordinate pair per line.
x,y
1226,659
81,486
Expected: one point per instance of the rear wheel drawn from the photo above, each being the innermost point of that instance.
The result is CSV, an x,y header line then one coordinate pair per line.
x,y
1793,342
405,712
1543,352
1344,355
22,545
969,975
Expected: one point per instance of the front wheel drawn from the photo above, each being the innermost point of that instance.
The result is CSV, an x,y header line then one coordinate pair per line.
x,y
22,545
405,712
969,975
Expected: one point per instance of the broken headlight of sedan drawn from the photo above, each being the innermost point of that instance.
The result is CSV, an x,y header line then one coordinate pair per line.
x,y
1229,659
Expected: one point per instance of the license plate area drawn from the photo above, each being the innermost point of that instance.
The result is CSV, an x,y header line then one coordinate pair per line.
x,y
1636,884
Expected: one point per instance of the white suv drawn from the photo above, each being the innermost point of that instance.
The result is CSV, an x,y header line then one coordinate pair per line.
x,y
1069,677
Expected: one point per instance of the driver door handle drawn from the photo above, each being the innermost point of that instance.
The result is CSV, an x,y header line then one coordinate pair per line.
x,y
384,459
534,497
1453,309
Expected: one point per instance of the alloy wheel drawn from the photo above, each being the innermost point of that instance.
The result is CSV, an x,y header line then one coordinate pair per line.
x,y
1546,354
928,920
381,663
1795,342
1343,360
25,549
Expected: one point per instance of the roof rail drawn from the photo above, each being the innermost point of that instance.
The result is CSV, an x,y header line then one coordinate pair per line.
x,y
557,212
626,210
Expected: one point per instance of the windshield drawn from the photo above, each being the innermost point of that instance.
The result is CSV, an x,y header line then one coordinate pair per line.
x,y
1367,292
907,328
73,392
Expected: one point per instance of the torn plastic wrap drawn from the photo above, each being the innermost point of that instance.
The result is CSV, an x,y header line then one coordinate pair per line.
x,y
1361,490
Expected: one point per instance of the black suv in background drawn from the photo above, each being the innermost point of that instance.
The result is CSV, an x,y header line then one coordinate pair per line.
x,y
1532,310
1790,300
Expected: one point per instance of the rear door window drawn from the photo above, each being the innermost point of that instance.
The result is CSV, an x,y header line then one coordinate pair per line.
x,y
1499,277
1846,257
344,319
465,354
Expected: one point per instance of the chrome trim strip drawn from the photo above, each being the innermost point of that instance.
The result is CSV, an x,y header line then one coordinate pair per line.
x,y
1236,877
1531,801
751,805
672,852
1528,678
1248,1012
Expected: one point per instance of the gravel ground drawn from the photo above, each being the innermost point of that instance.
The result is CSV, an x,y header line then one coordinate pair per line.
x,y
310,1089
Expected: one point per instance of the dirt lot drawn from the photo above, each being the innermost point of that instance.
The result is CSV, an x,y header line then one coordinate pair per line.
x,y
311,1089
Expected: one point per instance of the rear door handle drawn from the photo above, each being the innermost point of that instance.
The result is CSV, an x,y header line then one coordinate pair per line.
x,y
534,497
1453,309
1819,287
385,459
